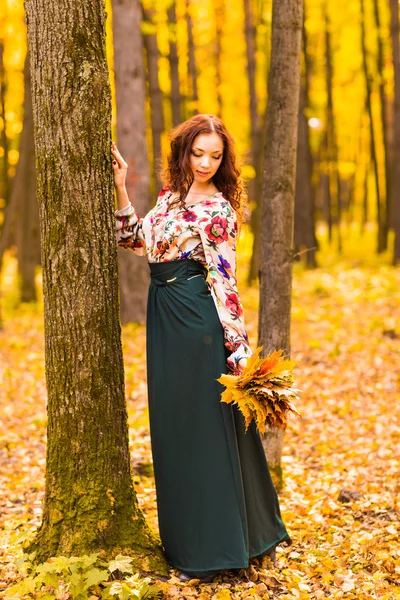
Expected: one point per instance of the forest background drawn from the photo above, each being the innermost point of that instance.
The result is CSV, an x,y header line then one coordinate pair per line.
x,y
341,461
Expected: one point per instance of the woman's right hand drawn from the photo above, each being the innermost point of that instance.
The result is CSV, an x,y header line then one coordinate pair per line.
x,y
120,168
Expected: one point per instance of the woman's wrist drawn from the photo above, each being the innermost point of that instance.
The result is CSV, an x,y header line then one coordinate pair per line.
x,y
122,197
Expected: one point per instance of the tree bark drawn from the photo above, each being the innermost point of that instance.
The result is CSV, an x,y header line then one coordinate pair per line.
x,y
304,226
192,105
4,139
277,205
28,236
250,37
384,106
331,145
131,138
219,10
374,157
90,503
156,100
254,270
255,186
176,98
394,32
5,178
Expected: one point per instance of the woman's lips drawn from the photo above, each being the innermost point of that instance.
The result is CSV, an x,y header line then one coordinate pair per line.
x,y
203,174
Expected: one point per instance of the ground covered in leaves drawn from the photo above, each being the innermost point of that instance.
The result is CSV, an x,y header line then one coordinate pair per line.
x,y
340,500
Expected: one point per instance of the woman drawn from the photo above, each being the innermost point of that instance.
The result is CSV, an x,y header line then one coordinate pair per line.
x,y
217,506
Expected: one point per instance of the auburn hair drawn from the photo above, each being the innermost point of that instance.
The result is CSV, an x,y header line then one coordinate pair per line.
x,y
178,175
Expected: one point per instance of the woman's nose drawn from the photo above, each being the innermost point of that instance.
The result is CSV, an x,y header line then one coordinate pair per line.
x,y
205,162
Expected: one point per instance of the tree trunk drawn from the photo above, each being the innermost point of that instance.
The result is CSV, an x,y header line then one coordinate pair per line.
x,y
254,270
374,157
304,231
156,100
5,192
384,118
394,32
250,37
219,10
331,146
131,138
256,187
176,98
192,107
28,236
304,226
277,205
90,502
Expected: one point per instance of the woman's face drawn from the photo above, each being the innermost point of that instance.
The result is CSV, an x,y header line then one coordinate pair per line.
x,y
206,156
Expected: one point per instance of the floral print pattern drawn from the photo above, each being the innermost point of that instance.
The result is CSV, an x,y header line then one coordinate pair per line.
x,y
205,231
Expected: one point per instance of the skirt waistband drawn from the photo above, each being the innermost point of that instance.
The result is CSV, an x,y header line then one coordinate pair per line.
x,y
168,272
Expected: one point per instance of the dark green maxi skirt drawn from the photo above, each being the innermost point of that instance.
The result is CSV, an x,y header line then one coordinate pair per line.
x,y
217,505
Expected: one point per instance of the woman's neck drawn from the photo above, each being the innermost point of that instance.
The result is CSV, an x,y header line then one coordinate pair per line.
x,y
198,190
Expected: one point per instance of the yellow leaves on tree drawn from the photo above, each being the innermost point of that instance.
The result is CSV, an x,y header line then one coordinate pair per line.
x,y
263,391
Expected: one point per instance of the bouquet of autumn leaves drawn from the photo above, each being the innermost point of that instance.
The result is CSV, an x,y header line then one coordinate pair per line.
x,y
263,391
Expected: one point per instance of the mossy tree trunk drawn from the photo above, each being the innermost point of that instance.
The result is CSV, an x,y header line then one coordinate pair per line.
x,y
90,502
131,140
278,190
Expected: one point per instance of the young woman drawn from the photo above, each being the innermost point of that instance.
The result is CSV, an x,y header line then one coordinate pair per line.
x,y
217,506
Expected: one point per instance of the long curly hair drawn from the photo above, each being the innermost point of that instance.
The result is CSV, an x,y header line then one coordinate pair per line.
x,y
178,175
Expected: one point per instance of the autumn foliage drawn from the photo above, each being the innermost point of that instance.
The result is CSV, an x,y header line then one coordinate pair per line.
x,y
263,391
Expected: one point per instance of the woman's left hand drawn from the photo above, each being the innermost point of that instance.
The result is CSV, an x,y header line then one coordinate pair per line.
x,y
242,363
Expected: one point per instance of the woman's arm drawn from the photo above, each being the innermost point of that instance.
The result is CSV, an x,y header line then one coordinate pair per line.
x,y
128,224
122,197
219,238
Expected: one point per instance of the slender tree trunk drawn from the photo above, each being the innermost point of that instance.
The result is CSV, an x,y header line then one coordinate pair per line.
x,y
374,157
394,31
250,37
5,192
304,232
384,118
28,235
192,107
156,100
254,270
131,137
176,98
331,146
4,139
256,187
364,218
304,226
219,9
256,137
90,502
277,205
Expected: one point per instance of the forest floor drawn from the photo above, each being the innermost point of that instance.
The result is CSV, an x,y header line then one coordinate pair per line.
x,y
346,341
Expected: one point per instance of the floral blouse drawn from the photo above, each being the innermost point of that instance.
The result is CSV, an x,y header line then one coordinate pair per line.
x,y
205,231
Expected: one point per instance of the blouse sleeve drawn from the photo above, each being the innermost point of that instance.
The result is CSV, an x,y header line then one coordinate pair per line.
x,y
129,230
219,242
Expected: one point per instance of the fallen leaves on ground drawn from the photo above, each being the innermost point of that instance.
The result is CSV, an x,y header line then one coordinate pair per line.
x,y
340,500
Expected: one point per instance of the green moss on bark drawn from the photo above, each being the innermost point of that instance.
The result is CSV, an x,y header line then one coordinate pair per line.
x,y
90,503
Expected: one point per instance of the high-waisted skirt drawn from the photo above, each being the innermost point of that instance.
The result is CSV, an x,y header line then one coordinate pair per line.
x,y
217,505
